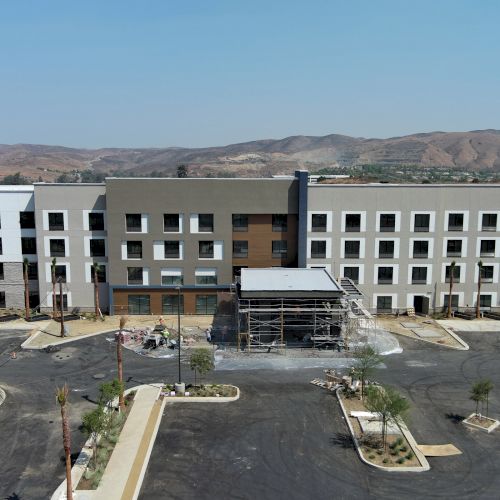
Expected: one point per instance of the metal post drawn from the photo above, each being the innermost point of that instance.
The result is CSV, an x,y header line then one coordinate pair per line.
x,y
61,306
179,329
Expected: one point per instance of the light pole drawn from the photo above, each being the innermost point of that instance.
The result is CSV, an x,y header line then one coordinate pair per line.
x,y
179,387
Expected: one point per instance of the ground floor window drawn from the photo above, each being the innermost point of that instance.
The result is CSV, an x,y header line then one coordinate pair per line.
x,y
206,304
169,304
384,304
57,299
454,301
2,300
352,273
484,300
139,304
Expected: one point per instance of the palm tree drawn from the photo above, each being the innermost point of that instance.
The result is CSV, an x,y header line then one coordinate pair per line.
x,y
121,400
53,277
452,271
26,289
96,289
478,300
62,399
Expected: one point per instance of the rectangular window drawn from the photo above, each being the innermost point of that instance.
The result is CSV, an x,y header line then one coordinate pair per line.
x,y
28,246
206,280
240,223
57,299
318,249
172,249
2,300
454,301
352,273
418,275
351,249
385,275
352,223
139,304
280,223
384,304
101,274
387,223
56,221
170,304
456,274
2,275
98,248
453,248
1,247
420,249
205,223
422,223
134,275
455,222
57,248
487,274
32,271
171,223
172,280
485,300
206,249
240,249
133,223
386,249
318,223
96,221
206,304
487,248
60,272
280,249
489,222
134,249
27,220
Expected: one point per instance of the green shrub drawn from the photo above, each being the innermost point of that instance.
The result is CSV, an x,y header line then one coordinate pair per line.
x,y
102,455
401,460
97,477
371,457
399,441
385,461
380,452
88,474
404,449
392,446
394,452
409,455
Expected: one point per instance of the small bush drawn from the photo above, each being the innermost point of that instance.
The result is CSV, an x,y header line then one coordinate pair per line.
x,y
404,449
102,455
88,474
399,441
392,446
409,456
97,477
401,460
385,461
380,452
394,452
371,457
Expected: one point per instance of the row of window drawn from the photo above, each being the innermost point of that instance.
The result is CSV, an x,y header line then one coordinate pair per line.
x,y
32,271
387,222
140,276
171,304
386,303
202,223
386,249
419,274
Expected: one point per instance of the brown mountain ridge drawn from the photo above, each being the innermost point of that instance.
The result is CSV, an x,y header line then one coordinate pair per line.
x,y
478,150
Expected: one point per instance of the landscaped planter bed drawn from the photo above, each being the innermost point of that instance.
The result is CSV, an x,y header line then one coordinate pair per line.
x,y
480,422
105,445
208,393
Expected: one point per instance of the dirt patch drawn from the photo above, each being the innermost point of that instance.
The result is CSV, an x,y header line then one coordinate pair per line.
x,y
481,421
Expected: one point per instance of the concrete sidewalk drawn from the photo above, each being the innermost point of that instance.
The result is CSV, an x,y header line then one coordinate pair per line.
x,y
473,325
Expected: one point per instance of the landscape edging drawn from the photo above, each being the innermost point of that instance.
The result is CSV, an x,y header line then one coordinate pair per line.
x,y
464,345
189,399
489,429
424,464
25,345
3,396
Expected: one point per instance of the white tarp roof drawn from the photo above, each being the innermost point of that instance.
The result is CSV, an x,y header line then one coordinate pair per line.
x,y
286,279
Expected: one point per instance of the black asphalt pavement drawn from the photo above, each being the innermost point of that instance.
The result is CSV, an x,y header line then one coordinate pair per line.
x,y
284,438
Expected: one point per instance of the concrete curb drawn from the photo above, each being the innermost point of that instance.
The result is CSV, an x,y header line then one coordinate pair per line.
x,y
25,345
489,429
150,448
189,399
3,396
411,441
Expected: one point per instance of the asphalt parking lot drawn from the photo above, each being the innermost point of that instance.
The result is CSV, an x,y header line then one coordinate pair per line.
x,y
283,439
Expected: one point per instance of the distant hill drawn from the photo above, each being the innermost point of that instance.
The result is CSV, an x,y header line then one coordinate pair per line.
x,y
472,151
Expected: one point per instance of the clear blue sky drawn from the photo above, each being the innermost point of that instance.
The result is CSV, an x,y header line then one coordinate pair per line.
x,y
201,73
